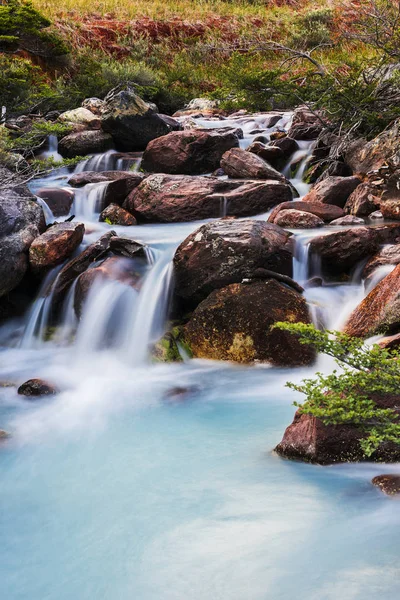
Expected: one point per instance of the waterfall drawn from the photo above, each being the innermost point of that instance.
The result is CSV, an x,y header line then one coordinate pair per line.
x,y
301,258
48,215
99,162
88,200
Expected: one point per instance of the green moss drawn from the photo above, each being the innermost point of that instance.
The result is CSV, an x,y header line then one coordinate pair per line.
x,y
166,349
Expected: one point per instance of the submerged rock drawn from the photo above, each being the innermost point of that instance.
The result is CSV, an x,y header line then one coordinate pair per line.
x,y
55,245
190,152
379,312
82,143
234,324
389,484
115,215
225,252
37,387
333,190
240,164
178,198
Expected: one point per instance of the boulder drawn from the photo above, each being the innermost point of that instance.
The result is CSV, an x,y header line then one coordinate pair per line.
x,y
115,215
310,440
234,323
346,221
390,209
389,484
126,246
376,215
326,212
81,116
225,252
362,202
121,183
240,164
391,342
59,200
388,255
271,154
37,387
131,122
286,144
333,190
78,265
82,143
191,152
95,105
305,131
342,250
54,246
379,312
382,151
178,198
294,219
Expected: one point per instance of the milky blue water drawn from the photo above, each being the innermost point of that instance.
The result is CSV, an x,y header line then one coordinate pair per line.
x,y
117,490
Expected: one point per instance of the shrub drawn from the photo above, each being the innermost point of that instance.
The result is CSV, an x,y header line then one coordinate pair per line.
x,y
345,397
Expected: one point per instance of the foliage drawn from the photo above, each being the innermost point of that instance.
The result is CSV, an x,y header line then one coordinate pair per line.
x,y
346,396
32,139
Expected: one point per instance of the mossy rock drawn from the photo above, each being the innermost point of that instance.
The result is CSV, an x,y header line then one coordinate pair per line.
x,y
166,350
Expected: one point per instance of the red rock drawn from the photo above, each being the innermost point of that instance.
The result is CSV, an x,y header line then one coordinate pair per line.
x,y
115,215
55,245
390,209
326,212
240,164
82,143
225,252
234,323
286,144
121,183
297,219
190,152
333,190
379,312
362,202
388,255
346,221
388,484
179,198
272,154
342,250
59,200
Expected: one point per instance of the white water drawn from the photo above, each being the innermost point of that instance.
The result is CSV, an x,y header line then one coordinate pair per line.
x,y
157,481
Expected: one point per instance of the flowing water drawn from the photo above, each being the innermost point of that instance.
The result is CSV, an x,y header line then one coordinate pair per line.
x,y
158,481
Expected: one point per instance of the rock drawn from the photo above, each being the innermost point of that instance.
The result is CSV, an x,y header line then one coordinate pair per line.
x,y
379,312
362,202
240,164
179,198
82,143
376,215
326,212
271,154
37,387
95,105
390,209
342,250
234,323
78,265
391,342
126,246
191,152
305,132
333,190
81,179
166,350
21,221
335,168
310,440
121,183
81,116
346,221
287,145
388,255
297,219
59,200
115,215
363,156
55,245
388,484
225,252
131,122
113,268
4,435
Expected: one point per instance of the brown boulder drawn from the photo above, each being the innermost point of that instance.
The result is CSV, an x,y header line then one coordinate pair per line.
x,y
191,152
55,245
310,440
390,209
272,154
115,215
388,255
342,250
240,164
59,200
362,202
294,219
286,144
305,131
37,387
225,252
120,185
346,221
234,323
379,312
333,190
326,212
178,198
388,484
383,150
82,143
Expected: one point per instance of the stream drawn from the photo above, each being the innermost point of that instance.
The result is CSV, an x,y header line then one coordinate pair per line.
x,y
119,488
